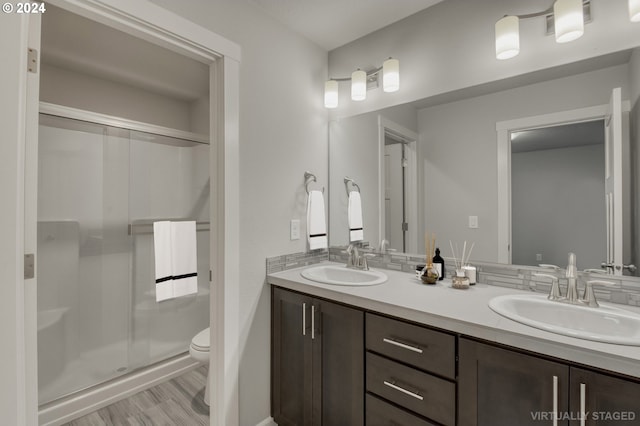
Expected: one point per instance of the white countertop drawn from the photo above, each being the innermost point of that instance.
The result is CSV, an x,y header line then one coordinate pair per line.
x,y
466,312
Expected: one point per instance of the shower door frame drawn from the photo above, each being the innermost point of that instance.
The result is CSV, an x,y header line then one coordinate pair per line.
x,y
147,21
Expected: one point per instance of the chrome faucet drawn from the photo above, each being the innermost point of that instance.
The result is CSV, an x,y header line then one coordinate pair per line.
x,y
571,273
572,279
384,246
355,259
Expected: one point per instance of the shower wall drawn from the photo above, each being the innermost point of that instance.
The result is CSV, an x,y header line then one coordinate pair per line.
x,y
99,190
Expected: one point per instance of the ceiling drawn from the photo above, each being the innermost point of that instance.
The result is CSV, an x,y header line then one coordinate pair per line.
x,y
334,23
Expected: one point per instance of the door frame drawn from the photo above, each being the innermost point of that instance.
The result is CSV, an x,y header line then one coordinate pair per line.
x,y
503,130
411,179
150,22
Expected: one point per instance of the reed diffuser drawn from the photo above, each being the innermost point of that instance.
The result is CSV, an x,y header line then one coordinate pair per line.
x,y
429,273
460,280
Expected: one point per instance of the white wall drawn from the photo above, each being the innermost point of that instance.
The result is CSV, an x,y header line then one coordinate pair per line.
x,y
451,46
85,92
354,152
458,150
551,190
283,132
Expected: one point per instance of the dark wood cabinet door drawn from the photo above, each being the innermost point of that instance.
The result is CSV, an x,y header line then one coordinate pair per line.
x,y
608,400
501,387
292,358
338,365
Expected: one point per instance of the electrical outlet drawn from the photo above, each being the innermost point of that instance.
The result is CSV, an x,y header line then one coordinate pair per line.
x,y
538,257
473,222
295,229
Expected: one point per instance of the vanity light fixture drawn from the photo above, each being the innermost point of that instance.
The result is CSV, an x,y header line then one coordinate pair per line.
x,y
565,19
362,80
358,85
634,10
569,20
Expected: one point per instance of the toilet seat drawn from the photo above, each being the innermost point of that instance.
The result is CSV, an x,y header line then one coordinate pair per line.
x,y
201,341
199,350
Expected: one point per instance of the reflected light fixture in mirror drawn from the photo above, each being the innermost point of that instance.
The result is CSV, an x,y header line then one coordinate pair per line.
x,y
331,94
362,80
391,75
634,10
568,17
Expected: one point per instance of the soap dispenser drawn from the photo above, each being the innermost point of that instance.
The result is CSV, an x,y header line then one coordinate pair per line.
x,y
438,262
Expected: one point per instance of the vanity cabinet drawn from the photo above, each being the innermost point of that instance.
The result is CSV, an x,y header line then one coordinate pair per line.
x,y
318,361
608,400
412,367
502,387
498,386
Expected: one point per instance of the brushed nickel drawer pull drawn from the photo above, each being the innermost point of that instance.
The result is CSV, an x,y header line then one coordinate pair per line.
x,y
402,345
403,390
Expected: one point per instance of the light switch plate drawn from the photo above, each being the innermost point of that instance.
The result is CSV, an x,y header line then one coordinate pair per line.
x,y
473,222
295,229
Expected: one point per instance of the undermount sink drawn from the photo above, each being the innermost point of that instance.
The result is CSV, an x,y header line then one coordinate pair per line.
x,y
605,324
341,275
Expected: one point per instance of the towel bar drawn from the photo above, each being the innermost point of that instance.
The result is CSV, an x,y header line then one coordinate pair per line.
x,y
147,228
308,178
348,180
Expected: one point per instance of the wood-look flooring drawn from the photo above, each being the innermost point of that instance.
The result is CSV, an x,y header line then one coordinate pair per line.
x,y
176,402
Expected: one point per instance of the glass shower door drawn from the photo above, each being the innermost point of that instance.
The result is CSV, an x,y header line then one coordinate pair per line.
x,y
169,181
100,189
83,255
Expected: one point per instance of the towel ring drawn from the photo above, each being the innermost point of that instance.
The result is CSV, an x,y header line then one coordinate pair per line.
x,y
308,178
348,180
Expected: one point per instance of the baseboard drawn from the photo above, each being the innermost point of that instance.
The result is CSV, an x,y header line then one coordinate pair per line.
x,y
70,408
267,422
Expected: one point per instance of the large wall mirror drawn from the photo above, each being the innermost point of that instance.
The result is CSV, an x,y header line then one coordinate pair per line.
x,y
531,200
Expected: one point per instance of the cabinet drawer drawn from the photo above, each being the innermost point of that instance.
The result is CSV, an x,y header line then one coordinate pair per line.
x,y
420,392
381,413
426,349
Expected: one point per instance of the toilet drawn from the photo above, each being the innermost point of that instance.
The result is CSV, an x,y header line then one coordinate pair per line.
x,y
199,350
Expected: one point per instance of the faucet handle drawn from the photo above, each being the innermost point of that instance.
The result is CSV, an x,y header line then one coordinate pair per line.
x,y
549,266
589,297
595,271
554,293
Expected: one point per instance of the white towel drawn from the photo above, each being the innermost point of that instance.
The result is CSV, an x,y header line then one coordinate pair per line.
x,y
175,259
316,222
184,258
354,214
164,267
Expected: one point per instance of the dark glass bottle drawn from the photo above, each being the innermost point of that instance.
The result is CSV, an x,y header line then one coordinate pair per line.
x,y
438,263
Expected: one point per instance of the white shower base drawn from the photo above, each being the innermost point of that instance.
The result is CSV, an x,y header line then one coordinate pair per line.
x,y
66,409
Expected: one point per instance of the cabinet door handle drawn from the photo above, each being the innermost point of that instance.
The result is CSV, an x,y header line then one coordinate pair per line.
x,y
583,403
304,319
313,321
403,390
402,345
555,400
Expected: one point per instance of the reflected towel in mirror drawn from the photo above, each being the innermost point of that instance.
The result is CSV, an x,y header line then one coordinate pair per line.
x,y
354,212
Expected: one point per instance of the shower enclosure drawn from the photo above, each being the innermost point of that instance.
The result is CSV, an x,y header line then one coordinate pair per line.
x,y
100,188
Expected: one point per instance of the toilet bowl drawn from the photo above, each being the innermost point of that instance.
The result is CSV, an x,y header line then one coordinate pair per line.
x,y
199,350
